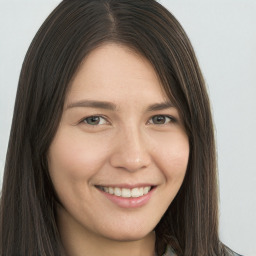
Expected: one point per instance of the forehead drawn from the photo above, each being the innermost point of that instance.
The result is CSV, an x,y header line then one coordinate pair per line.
x,y
116,72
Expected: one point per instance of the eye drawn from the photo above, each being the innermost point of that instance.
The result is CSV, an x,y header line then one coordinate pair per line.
x,y
94,120
161,119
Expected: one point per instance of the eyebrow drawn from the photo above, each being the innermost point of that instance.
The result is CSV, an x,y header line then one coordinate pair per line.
x,y
160,106
112,106
92,104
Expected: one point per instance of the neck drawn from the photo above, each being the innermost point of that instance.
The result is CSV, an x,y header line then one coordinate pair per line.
x,y
78,241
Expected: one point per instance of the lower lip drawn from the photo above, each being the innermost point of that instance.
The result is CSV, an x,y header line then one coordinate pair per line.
x,y
129,202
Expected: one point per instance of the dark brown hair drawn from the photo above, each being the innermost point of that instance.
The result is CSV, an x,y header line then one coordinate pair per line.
x,y
73,29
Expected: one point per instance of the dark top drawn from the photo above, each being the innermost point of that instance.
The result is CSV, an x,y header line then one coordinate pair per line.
x,y
170,252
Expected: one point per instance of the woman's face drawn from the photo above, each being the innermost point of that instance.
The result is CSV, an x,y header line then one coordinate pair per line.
x,y
120,153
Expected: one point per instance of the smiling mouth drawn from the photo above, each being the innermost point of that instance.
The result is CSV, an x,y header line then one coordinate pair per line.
x,y
126,192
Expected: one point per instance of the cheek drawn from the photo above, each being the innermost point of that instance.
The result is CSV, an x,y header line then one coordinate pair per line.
x,y
173,157
75,157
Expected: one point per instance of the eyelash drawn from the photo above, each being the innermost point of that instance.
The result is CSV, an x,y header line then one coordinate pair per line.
x,y
94,116
171,120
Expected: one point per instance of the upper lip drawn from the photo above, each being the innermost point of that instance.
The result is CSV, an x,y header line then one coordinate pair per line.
x,y
123,185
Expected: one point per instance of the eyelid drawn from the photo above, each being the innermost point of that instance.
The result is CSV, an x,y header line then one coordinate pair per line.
x,y
172,119
82,121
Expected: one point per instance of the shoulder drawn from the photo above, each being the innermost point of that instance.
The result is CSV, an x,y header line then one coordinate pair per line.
x,y
232,253
169,252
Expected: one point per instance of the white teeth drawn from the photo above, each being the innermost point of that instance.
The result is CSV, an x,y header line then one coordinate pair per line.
x,y
110,190
136,192
126,192
117,191
146,190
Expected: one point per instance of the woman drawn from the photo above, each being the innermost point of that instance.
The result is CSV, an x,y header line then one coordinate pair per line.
x,y
111,150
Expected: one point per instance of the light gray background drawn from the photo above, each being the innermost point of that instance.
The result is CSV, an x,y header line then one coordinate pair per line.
x,y
223,33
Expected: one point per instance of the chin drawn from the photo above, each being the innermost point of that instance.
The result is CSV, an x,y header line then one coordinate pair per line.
x,y
128,235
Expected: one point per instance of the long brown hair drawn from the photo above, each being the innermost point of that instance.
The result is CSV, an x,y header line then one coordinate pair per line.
x,y
73,29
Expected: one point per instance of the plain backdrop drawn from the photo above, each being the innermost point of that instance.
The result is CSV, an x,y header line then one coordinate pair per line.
x,y
223,34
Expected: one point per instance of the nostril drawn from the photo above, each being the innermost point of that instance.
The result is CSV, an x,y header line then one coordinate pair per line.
x,y
130,161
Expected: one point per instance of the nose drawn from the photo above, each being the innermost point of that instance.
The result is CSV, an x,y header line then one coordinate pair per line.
x,y
130,152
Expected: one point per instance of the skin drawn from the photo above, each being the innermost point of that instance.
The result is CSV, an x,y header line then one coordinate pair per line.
x,y
127,146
